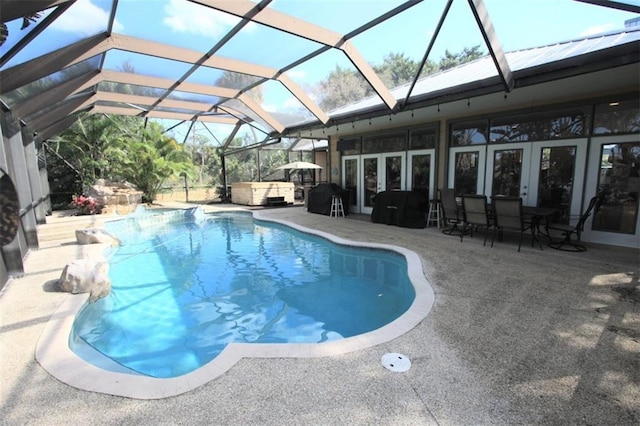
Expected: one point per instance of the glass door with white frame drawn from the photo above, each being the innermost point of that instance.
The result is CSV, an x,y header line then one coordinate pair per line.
x,y
556,168
350,179
614,173
508,171
371,184
543,174
421,172
466,169
381,172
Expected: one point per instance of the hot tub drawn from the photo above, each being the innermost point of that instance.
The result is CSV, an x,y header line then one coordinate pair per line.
x,y
258,193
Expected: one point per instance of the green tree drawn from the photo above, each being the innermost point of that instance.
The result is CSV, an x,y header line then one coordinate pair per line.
x,y
396,69
342,87
150,160
451,60
236,80
83,144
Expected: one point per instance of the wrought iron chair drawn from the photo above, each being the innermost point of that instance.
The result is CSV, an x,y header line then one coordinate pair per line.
x,y
568,243
451,214
475,214
507,214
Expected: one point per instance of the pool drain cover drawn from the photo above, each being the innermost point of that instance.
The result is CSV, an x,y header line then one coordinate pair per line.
x,y
396,362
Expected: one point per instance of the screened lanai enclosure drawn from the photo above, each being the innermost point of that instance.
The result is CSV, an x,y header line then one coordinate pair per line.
x,y
381,94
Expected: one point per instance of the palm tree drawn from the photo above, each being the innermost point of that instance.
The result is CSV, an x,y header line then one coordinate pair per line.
x,y
148,161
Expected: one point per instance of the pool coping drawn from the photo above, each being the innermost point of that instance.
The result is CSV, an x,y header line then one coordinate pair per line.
x,y
55,356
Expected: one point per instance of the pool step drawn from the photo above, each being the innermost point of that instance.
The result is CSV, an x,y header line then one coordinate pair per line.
x,y
64,227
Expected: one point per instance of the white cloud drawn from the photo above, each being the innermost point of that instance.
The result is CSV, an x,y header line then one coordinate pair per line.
x,y
190,18
84,18
297,75
270,107
291,103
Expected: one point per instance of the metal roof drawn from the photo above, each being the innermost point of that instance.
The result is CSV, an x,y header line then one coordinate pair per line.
x,y
238,66
521,60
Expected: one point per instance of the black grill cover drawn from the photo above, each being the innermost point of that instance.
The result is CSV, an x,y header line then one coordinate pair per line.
x,y
402,208
319,198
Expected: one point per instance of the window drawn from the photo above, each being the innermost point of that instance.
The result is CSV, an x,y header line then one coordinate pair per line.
x,y
617,118
424,138
385,143
469,133
558,125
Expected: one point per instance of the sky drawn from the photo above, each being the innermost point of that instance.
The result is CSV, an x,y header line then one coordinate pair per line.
x,y
519,24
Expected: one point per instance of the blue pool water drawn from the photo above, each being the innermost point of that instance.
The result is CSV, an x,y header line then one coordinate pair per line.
x,y
181,292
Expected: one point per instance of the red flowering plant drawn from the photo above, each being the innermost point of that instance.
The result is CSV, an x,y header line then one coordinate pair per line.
x,y
86,205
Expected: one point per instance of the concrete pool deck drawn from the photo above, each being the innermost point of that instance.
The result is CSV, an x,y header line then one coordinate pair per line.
x,y
537,337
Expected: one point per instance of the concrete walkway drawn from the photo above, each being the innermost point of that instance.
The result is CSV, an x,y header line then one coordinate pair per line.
x,y
537,337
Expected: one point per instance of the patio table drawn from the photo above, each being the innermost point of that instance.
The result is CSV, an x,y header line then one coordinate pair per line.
x,y
538,214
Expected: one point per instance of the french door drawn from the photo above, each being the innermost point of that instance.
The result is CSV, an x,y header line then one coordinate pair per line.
x,y
421,172
508,171
544,174
466,169
351,181
381,172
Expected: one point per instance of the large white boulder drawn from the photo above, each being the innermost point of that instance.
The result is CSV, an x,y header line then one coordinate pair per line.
x,y
86,276
95,236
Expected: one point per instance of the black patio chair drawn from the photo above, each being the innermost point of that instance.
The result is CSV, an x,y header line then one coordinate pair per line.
x,y
507,214
451,214
475,214
568,232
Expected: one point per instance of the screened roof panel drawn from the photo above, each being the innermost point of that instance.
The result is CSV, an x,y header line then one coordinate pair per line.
x,y
240,110
205,133
81,20
280,50
231,53
222,78
132,89
140,107
41,85
314,75
194,97
16,34
278,101
57,105
248,134
176,22
339,16
179,110
120,60
401,33
460,16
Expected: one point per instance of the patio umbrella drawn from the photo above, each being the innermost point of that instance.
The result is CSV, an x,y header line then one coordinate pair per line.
x,y
300,165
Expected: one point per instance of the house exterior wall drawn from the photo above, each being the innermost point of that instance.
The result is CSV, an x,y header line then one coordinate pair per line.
x,y
579,92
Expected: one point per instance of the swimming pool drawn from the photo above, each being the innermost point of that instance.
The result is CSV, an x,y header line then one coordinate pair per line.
x,y
181,292
54,354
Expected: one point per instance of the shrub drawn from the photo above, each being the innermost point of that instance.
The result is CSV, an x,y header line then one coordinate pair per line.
x,y
86,205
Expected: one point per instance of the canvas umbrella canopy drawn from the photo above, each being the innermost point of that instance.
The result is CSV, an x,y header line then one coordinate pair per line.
x,y
300,165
